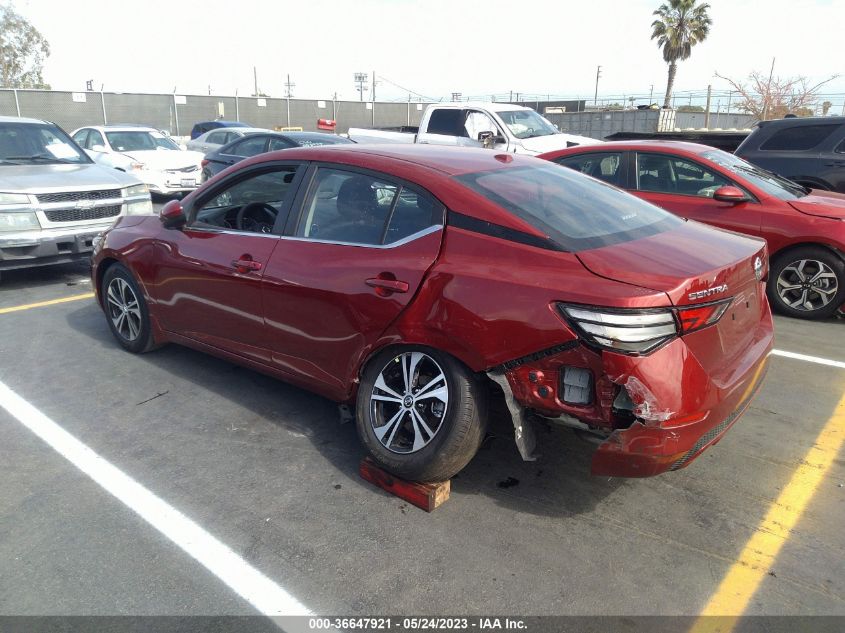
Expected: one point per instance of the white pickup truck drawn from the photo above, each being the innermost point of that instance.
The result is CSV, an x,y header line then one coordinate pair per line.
x,y
500,126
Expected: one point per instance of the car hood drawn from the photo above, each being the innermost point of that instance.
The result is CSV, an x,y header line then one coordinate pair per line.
x,y
541,144
61,177
690,258
826,204
166,159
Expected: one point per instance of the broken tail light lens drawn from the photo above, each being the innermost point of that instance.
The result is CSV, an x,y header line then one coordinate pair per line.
x,y
694,318
627,331
640,331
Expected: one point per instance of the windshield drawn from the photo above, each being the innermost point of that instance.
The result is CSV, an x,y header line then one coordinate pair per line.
x,y
772,184
527,123
575,211
30,143
134,141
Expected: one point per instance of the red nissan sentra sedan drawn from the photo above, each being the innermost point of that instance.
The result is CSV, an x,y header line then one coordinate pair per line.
x,y
805,229
402,280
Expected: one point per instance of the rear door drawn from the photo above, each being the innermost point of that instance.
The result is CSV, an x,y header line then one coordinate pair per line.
x,y
347,266
685,187
833,161
208,277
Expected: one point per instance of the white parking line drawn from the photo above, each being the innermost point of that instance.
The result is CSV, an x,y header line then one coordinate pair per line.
x,y
809,359
262,593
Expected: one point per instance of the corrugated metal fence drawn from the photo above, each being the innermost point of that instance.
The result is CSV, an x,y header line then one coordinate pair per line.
x,y
178,113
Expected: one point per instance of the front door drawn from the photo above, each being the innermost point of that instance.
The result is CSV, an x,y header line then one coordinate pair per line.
x,y
210,272
685,187
349,264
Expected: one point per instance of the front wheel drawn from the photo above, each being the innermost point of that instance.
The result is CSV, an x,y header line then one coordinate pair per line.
x,y
420,413
126,310
807,283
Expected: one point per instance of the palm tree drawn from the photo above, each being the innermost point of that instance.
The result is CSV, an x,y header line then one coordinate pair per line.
x,y
680,25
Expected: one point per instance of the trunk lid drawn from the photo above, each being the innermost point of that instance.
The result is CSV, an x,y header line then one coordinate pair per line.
x,y
692,263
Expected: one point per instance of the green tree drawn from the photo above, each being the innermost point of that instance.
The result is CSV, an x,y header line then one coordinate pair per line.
x,y
22,51
680,25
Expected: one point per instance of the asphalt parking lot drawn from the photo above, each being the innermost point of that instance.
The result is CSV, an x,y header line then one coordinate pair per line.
x,y
754,526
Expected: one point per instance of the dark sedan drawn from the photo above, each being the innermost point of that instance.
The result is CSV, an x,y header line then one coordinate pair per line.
x,y
254,144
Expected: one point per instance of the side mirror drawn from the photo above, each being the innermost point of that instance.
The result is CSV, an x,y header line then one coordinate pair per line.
x,y
172,215
730,194
488,139
98,148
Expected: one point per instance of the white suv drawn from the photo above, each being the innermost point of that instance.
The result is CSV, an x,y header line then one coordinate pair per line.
x,y
144,152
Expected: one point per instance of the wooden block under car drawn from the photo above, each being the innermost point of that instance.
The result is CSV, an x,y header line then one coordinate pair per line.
x,y
425,496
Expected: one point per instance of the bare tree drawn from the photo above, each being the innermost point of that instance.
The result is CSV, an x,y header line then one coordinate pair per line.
x,y
771,97
22,51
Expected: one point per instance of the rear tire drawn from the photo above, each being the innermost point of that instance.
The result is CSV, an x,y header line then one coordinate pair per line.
x,y
126,310
807,283
426,427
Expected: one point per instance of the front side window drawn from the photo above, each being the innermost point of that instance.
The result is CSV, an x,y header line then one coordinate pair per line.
x,y
31,143
477,122
279,143
606,166
661,173
348,207
576,213
798,138
251,205
95,138
81,138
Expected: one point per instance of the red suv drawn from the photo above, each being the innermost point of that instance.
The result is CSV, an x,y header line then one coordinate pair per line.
x,y
805,229
408,280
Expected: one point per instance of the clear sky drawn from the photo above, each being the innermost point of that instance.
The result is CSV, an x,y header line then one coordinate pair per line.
x,y
433,47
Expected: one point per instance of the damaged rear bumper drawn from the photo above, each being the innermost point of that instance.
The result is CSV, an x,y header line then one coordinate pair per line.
x,y
655,413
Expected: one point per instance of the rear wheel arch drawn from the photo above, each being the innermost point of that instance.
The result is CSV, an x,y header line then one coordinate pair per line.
x,y
104,265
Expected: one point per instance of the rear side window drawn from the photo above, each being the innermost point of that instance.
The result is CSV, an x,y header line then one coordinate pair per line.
x,y
353,208
801,137
218,138
447,121
575,212
605,166
250,146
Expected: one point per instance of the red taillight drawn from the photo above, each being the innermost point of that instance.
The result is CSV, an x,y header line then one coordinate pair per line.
x,y
697,317
203,162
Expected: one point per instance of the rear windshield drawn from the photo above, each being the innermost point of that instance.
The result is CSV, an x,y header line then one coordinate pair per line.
x,y
573,210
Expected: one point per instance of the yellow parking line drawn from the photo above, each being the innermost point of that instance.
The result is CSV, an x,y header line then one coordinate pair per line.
x,y
756,560
40,304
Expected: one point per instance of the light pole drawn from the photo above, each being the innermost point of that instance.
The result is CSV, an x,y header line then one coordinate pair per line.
x,y
596,95
361,80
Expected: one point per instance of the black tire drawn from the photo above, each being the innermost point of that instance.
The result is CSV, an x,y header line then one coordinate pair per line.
x,y
136,318
461,427
817,260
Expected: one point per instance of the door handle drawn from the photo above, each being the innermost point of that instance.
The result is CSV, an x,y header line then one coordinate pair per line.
x,y
384,287
246,265
836,163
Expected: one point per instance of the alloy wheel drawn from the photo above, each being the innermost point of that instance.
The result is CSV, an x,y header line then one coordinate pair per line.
x,y
807,285
124,309
408,402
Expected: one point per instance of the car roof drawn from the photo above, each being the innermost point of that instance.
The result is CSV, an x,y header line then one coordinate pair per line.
x,y
223,123
128,127
244,130
492,106
804,120
20,119
450,161
652,145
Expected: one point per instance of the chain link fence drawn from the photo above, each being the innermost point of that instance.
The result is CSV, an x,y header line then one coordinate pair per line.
x,y
177,114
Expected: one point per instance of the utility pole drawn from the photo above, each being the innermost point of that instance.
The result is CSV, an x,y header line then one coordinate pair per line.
x,y
596,95
768,91
730,94
373,95
334,107
288,94
255,79
707,107
651,95
361,80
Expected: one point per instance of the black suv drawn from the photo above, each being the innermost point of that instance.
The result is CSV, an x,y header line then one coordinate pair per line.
x,y
810,151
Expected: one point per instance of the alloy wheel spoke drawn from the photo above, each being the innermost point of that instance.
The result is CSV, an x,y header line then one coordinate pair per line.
x,y
414,361
799,270
419,440
421,422
133,327
382,398
393,425
824,273
431,383
801,301
118,322
441,393
380,384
